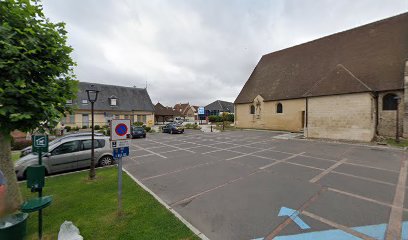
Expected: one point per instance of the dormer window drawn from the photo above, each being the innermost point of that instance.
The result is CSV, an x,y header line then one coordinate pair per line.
x,y
84,101
113,101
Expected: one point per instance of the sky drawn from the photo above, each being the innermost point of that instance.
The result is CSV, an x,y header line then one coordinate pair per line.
x,y
197,51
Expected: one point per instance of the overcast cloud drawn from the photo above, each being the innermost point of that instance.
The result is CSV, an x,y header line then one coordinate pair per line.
x,y
197,51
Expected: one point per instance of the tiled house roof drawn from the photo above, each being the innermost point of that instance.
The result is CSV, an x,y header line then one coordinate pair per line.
x,y
363,59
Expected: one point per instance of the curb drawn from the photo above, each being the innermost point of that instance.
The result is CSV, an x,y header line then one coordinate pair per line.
x,y
189,225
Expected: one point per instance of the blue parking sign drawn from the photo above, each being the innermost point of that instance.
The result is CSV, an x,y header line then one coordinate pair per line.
x,y
120,152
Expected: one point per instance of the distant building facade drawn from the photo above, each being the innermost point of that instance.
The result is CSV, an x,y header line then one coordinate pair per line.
x,y
114,102
343,86
218,107
185,110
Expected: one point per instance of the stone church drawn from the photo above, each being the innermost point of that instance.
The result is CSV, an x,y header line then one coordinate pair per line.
x,y
350,85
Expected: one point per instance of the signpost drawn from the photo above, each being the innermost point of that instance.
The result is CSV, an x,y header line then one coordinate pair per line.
x,y
39,145
200,113
120,132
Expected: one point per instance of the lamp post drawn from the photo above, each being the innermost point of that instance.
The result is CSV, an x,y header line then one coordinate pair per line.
x,y
92,97
397,139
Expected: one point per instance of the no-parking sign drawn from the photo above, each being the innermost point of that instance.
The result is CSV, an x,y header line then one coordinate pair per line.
x,y
120,128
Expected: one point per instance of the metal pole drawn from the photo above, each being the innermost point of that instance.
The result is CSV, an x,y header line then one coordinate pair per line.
x,y
92,172
40,195
397,139
211,127
120,186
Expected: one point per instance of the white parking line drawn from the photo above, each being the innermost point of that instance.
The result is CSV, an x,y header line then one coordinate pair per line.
x,y
394,223
183,149
362,198
327,171
248,154
279,161
147,150
338,226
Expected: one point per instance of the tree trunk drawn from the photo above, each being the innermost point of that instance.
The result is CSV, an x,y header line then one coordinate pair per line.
x,y
13,195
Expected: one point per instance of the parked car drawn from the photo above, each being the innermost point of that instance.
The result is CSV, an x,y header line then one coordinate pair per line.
x,y
173,128
68,154
138,132
28,150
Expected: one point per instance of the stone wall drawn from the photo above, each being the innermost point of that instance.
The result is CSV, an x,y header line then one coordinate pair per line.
x,y
387,118
405,100
347,117
266,117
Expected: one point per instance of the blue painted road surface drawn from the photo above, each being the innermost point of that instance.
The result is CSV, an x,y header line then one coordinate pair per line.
x,y
374,231
284,211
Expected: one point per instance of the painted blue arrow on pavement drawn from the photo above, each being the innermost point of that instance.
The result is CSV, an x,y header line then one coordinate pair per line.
x,y
294,215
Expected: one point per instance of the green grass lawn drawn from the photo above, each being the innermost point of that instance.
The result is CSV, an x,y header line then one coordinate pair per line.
x,y
402,143
92,205
15,155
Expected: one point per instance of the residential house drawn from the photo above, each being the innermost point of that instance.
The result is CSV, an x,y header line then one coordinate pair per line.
x,y
164,114
342,86
114,102
185,111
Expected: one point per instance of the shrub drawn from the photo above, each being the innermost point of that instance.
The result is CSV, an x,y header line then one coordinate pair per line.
x,y
68,128
152,131
108,132
147,128
76,128
84,127
138,124
20,144
214,118
97,127
229,118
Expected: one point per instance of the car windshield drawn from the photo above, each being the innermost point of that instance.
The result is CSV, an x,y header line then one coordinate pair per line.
x,y
138,128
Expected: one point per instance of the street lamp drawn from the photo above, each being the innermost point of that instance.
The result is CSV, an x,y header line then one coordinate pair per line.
x,y
92,97
397,139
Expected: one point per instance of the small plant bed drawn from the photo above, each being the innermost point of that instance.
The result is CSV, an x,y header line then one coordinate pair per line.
x,y
92,207
392,142
227,127
193,126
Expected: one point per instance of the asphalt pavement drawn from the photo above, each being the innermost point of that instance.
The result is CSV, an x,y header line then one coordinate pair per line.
x,y
260,184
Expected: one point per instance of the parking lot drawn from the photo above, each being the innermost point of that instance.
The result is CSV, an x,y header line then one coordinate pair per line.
x,y
233,185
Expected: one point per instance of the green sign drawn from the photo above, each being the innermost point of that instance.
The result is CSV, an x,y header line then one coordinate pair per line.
x,y
40,143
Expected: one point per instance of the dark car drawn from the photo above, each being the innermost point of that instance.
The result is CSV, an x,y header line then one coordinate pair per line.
x,y
138,132
173,128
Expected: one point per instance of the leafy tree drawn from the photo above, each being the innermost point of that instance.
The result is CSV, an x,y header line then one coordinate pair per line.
x,y
36,77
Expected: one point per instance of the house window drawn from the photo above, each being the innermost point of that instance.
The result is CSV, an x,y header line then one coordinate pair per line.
x,y
69,102
72,118
390,102
252,109
113,101
279,108
84,101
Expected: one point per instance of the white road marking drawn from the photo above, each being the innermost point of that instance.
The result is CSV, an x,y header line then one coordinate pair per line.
x,y
327,171
183,149
147,150
394,223
338,226
362,198
279,161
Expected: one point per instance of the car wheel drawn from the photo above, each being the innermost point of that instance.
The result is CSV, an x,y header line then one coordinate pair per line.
x,y
144,136
171,131
105,161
